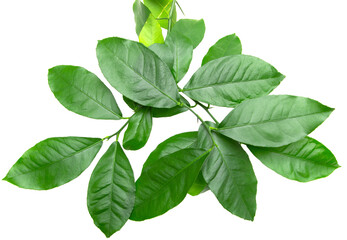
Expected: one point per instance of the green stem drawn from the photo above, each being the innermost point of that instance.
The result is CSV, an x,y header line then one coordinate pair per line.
x,y
116,133
203,123
180,7
173,6
206,109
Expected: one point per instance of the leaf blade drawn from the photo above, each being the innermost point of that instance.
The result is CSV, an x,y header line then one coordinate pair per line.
x,y
53,162
302,161
137,73
139,129
228,81
158,189
151,32
226,46
230,176
82,92
111,191
274,121
171,145
192,29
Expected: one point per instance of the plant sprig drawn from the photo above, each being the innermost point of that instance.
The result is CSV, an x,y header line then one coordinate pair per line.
x,y
275,128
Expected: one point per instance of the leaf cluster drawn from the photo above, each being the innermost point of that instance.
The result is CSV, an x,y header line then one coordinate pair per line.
x,y
274,128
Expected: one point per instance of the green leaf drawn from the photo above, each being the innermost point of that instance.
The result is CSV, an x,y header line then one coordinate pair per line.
x,y
274,121
151,32
111,191
164,53
141,14
204,141
82,92
53,162
165,182
139,129
227,46
137,73
170,146
182,51
192,29
159,112
161,9
230,177
303,161
230,80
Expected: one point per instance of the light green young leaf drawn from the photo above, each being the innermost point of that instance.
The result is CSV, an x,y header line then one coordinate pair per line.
x,y
230,80
139,129
182,51
82,92
53,162
151,32
164,183
161,10
171,145
230,177
192,29
137,73
111,191
303,161
226,46
274,121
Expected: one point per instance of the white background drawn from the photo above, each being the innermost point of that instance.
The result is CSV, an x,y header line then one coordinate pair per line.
x,y
305,40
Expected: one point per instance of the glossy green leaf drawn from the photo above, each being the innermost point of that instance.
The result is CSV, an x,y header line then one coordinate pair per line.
x,y
151,32
111,191
137,73
171,145
159,112
230,80
53,162
139,129
303,161
226,46
161,10
164,183
82,92
192,29
141,14
230,177
182,51
164,53
274,121
204,141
